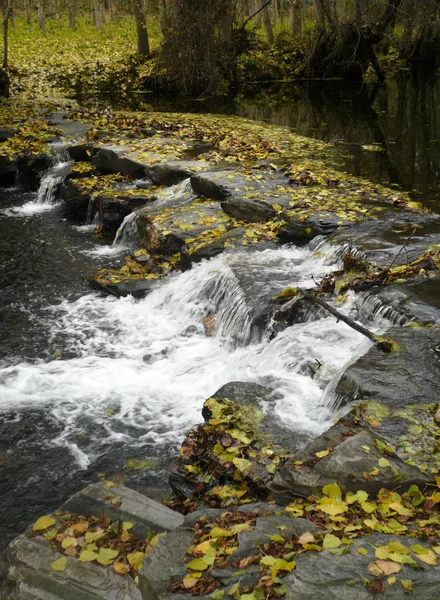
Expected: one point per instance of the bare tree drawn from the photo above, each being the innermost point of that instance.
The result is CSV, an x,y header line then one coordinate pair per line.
x,y
140,15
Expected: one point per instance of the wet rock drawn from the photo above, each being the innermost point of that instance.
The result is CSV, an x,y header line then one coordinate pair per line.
x,y
301,230
6,133
138,288
143,512
8,169
409,375
353,460
172,172
221,185
28,575
76,199
31,166
112,159
80,152
244,209
325,576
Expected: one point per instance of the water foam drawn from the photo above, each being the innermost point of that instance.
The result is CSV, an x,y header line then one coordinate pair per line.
x,y
137,372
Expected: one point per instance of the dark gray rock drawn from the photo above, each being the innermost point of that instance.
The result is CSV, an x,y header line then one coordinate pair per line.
x,y
172,172
165,565
27,575
352,463
143,512
138,288
6,133
407,376
76,200
8,169
263,398
325,576
31,167
80,152
244,209
112,159
221,185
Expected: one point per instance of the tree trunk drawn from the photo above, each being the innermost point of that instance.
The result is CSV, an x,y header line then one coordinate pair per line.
x,y
319,13
27,10
72,10
6,17
296,17
267,24
97,14
140,15
41,15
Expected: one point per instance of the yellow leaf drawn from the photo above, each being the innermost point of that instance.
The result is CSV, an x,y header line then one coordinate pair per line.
x,y
332,507
88,556
332,490
60,564
121,568
407,584
362,551
383,462
197,564
135,559
189,581
306,538
322,453
242,464
331,541
43,523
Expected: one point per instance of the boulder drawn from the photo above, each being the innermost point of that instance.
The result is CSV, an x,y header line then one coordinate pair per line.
x,y
407,376
112,159
6,133
31,167
244,209
353,457
247,408
80,152
221,185
8,169
174,171
138,288
326,576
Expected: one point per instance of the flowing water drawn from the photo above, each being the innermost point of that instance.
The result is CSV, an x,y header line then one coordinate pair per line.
x,y
89,381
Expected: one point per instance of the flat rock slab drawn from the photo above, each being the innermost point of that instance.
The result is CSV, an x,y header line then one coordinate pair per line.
x,y
317,575
27,575
161,159
146,514
25,567
324,576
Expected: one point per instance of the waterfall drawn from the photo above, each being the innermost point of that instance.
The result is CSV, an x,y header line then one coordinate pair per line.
x,y
91,209
126,236
152,363
50,183
175,195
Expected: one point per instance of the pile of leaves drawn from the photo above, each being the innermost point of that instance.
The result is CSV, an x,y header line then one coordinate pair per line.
x,y
340,520
227,459
359,275
31,139
95,539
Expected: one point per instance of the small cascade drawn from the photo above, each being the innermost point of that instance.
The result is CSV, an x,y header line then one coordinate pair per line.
x,y
176,195
91,209
372,309
126,236
51,182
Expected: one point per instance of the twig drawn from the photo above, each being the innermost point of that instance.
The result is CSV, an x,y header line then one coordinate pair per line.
x,y
255,14
403,247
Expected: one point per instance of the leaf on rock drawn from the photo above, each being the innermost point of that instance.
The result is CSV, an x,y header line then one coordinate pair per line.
x,y
60,564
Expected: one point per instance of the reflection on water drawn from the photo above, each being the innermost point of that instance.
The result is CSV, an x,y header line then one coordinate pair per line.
x,y
391,132
388,133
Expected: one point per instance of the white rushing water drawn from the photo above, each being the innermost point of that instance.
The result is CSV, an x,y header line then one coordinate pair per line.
x,y
138,372
47,197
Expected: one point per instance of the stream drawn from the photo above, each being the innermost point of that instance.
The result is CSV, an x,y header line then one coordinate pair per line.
x,y
90,384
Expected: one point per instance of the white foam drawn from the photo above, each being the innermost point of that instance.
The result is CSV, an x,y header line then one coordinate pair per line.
x,y
154,400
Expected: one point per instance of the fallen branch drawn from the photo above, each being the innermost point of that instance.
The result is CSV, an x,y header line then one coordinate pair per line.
x,y
382,344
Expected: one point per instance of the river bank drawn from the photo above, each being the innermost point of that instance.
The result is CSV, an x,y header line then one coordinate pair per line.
x,y
271,213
